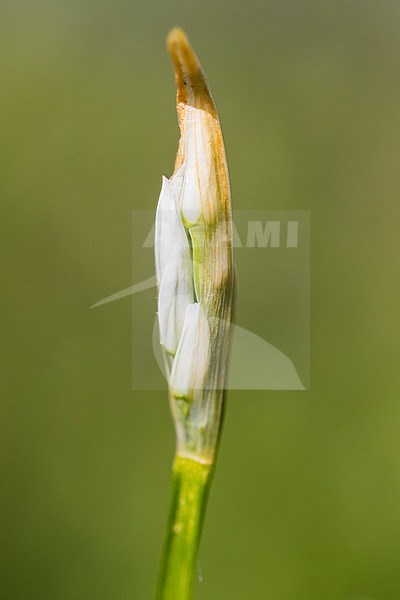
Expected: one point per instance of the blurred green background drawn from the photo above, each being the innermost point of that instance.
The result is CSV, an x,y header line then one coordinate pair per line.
x,y
306,500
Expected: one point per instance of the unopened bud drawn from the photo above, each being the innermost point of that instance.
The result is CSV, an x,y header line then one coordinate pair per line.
x,y
193,354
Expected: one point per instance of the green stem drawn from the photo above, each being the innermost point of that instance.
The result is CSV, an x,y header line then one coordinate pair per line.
x,y
190,485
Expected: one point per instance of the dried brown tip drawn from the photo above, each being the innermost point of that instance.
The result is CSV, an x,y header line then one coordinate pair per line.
x,y
192,88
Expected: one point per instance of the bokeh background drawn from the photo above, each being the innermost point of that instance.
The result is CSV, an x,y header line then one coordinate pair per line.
x,y
306,500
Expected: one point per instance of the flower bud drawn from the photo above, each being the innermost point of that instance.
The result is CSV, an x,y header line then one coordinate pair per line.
x,y
192,357
174,270
194,261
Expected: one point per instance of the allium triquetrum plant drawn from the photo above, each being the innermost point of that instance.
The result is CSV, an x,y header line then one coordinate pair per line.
x,y
195,278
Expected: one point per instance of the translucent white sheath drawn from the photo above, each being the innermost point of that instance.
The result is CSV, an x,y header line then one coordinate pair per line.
x,y
194,263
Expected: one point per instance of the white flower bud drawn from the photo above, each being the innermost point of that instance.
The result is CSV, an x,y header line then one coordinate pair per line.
x,y
174,270
192,357
170,235
175,295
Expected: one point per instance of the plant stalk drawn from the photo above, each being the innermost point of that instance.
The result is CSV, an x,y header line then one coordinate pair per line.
x,y
189,492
